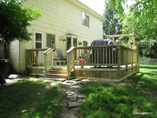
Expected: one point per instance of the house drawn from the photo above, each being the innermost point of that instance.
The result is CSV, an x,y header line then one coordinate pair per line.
x,y
64,24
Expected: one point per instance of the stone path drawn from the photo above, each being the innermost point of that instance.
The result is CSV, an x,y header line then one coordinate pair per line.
x,y
73,97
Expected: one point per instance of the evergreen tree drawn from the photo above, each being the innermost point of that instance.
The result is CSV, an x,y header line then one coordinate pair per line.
x,y
112,25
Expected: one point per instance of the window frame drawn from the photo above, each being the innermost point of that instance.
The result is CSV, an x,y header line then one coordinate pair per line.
x,y
85,42
86,14
37,41
54,39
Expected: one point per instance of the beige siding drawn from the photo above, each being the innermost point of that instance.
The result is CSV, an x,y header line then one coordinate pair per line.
x,y
60,17
14,55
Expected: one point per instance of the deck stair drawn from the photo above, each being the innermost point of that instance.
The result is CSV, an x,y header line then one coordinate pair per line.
x,y
57,72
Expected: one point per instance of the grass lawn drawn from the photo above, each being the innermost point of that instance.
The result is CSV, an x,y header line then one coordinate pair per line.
x,y
31,98
113,101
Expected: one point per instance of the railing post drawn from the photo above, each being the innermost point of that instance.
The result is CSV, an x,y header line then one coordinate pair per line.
x,y
45,64
132,51
119,57
126,58
68,65
52,59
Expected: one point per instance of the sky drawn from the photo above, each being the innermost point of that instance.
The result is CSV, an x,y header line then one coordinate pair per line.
x,y
96,5
99,5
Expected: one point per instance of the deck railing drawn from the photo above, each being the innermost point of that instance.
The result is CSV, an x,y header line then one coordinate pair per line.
x,y
40,57
110,55
35,57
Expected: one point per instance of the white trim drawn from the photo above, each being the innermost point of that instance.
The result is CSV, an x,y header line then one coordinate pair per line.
x,y
34,40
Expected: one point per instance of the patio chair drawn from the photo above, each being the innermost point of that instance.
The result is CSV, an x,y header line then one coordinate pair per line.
x,y
60,59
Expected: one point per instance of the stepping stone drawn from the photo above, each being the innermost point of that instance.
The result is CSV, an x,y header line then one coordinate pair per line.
x,y
77,79
70,81
73,104
81,100
81,96
72,98
70,93
75,88
60,79
77,83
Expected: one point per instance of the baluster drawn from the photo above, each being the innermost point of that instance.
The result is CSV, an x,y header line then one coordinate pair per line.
x,y
103,56
109,56
112,55
106,56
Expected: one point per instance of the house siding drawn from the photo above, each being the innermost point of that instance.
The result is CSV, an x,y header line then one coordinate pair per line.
x,y
14,55
60,17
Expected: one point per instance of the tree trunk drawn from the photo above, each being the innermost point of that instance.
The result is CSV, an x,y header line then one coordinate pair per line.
x,y
2,79
6,49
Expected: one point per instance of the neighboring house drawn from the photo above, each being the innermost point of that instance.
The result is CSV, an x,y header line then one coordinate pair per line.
x,y
64,23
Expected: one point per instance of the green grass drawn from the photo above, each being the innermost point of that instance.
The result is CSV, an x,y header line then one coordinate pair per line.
x,y
108,101
147,77
31,98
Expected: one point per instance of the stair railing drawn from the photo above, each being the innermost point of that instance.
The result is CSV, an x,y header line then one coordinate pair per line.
x,y
48,60
70,60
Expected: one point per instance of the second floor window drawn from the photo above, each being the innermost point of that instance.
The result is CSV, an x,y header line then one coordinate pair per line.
x,y
85,19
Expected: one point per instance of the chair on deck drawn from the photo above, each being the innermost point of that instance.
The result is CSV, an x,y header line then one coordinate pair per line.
x,y
60,59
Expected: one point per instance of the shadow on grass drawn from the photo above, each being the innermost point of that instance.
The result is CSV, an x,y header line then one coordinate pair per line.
x,y
30,99
147,78
149,66
115,102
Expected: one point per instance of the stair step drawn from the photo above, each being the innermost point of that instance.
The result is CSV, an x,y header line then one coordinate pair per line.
x,y
57,75
57,72
60,68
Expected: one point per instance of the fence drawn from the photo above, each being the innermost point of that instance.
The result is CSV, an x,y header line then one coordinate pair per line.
x,y
148,61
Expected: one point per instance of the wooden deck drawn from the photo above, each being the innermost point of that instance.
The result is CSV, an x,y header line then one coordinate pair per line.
x,y
109,62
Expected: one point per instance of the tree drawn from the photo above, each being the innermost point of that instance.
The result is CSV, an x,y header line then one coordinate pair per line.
x,y
112,25
142,17
14,20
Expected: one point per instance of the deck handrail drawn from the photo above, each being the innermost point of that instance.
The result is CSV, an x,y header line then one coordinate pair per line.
x,y
48,60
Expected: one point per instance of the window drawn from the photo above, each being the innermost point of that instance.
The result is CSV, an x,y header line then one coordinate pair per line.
x,y
74,42
85,19
38,40
85,43
51,40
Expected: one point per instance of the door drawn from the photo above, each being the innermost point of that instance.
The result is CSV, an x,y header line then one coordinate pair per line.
x,y
68,43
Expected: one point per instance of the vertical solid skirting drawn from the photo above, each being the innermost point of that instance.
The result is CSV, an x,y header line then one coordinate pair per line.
x,y
119,60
